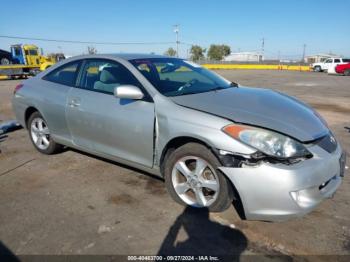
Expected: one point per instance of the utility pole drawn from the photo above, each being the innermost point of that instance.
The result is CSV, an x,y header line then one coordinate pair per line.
x,y
176,31
304,49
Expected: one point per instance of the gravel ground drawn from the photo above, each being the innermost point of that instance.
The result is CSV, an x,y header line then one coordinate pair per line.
x,y
75,203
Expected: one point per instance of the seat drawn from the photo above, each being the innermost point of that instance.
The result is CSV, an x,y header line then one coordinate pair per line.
x,y
150,77
110,77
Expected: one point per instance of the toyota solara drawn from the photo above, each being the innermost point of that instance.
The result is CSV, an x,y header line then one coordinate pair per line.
x,y
214,142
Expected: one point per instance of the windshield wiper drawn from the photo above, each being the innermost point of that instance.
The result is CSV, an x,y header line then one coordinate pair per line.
x,y
205,91
217,88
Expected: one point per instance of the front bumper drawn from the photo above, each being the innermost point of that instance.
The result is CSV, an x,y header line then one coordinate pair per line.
x,y
276,192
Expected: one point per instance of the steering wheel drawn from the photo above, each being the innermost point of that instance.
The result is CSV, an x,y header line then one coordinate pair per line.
x,y
188,84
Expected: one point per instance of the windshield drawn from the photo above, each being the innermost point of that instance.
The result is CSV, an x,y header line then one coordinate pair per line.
x,y
176,77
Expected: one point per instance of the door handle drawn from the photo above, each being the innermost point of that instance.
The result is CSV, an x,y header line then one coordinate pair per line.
x,y
74,103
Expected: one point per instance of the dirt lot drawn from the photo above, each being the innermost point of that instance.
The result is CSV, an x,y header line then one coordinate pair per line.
x,y
73,203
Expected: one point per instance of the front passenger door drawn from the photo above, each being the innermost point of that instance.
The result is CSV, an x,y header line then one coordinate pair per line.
x,y
106,124
327,64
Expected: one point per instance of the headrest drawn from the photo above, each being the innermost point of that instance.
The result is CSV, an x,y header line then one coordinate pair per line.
x,y
109,75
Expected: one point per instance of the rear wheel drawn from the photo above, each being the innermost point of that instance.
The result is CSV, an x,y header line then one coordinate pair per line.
x,y
317,69
192,178
347,72
4,61
40,135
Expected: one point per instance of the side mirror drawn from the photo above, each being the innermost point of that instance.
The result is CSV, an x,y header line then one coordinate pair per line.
x,y
128,92
233,84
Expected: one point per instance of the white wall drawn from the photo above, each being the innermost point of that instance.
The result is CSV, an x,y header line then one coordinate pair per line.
x,y
243,57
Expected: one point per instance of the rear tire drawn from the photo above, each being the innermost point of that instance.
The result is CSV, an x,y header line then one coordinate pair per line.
x,y
347,72
40,135
4,61
317,69
192,178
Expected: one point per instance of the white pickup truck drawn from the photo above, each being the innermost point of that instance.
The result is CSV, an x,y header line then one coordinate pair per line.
x,y
329,64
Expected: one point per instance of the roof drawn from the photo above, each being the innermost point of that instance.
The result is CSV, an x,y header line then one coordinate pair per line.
x,y
124,56
131,56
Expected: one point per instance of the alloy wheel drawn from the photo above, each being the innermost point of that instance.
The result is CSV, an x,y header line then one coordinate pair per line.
x,y
195,181
40,133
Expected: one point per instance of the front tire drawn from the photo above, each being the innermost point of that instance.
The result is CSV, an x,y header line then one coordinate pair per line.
x,y
40,135
347,72
192,178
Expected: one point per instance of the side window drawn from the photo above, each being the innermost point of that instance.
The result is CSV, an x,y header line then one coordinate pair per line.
x,y
336,60
65,75
17,51
33,52
328,61
104,75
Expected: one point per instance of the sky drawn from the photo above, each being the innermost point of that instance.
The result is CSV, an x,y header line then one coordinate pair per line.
x,y
286,25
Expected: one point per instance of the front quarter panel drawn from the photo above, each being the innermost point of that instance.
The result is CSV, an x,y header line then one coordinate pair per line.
x,y
173,121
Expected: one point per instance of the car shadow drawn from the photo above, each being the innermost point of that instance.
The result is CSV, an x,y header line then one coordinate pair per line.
x,y
204,237
6,254
236,203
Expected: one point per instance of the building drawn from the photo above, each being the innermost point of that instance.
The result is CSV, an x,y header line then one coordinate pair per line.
x,y
244,57
318,58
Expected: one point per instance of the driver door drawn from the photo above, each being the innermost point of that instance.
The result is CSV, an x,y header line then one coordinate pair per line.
x,y
103,123
327,64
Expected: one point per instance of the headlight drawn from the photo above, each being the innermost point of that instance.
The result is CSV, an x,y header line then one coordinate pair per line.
x,y
268,142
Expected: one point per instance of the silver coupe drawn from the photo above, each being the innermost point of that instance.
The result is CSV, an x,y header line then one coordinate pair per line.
x,y
214,142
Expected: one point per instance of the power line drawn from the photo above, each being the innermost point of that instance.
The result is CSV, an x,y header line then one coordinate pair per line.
x,y
185,43
84,42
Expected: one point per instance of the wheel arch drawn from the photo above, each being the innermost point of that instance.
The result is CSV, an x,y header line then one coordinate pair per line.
x,y
29,111
179,141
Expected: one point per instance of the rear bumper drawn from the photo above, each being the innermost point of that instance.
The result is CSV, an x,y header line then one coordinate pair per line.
x,y
276,192
19,109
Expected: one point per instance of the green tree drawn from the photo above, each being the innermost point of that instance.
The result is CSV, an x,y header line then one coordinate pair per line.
x,y
197,52
218,52
170,52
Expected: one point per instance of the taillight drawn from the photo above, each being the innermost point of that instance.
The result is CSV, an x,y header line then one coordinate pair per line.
x,y
18,87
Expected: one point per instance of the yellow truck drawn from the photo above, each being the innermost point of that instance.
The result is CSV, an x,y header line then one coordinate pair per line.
x,y
24,60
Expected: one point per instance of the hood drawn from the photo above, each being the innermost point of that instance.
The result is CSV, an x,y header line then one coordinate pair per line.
x,y
259,107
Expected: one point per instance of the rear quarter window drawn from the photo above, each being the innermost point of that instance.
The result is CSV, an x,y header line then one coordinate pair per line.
x,y
65,74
